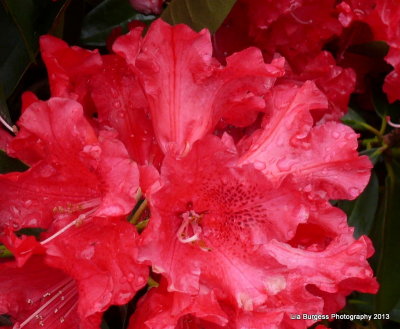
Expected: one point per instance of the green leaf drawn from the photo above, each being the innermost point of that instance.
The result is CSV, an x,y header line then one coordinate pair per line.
x,y
21,24
382,106
108,15
198,14
395,313
361,212
8,164
14,57
22,13
387,243
353,119
4,113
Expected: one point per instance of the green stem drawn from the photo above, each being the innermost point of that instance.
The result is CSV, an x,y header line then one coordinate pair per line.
x,y
138,212
371,129
379,151
152,283
383,126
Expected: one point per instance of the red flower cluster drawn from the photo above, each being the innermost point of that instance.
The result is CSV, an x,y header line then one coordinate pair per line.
x,y
237,161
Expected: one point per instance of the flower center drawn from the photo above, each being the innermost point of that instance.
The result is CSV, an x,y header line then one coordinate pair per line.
x,y
190,229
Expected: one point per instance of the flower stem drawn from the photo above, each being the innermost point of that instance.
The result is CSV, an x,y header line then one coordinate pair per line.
x,y
138,212
371,129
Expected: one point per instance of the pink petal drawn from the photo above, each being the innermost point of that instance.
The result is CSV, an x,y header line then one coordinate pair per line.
x,y
289,147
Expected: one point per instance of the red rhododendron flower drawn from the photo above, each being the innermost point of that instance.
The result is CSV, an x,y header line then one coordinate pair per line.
x,y
293,29
121,104
75,173
241,232
100,255
37,295
162,309
69,69
219,220
77,190
187,89
383,19
288,147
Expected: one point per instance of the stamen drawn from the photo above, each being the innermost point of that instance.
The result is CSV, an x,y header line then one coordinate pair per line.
x,y
190,230
13,129
64,296
71,208
75,222
297,19
392,124
36,314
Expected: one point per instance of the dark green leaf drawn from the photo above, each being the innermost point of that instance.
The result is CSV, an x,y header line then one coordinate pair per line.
x,y
21,24
108,15
14,57
8,164
382,107
361,212
353,119
22,13
4,113
395,313
387,242
104,325
198,14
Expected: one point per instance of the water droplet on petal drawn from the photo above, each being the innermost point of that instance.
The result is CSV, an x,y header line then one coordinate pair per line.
x,y
117,104
28,203
88,252
47,171
307,188
355,248
280,141
354,192
335,135
141,280
124,295
285,164
259,165
93,150
130,277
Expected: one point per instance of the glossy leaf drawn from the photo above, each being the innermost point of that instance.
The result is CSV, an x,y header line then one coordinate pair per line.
x,y
108,15
382,107
361,212
22,13
8,164
4,112
395,313
14,57
353,119
21,24
198,14
388,243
